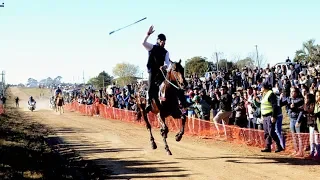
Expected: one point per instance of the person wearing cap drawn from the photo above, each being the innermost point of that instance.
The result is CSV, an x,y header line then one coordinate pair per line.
x,y
201,108
189,98
269,113
158,60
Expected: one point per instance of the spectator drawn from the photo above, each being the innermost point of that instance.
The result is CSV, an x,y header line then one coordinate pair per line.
x,y
269,112
201,108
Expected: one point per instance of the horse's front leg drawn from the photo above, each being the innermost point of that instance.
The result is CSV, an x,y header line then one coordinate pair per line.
x,y
164,132
148,125
180,134
184,104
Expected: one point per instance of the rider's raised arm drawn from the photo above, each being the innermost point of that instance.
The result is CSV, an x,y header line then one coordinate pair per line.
x,y
147,45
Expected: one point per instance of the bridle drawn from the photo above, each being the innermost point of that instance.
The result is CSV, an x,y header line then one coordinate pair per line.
x,y
180,85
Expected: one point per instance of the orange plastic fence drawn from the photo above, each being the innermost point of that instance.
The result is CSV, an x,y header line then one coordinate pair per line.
x,y
296,144
1,109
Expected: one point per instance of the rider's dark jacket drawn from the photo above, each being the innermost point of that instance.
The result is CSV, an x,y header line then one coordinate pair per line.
x,y
156,58
58,91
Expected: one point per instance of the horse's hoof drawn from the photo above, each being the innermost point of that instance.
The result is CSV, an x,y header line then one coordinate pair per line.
x,y
178,137
169,152
154,145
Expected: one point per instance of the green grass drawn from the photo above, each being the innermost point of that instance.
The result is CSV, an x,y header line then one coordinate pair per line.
x,y
36,92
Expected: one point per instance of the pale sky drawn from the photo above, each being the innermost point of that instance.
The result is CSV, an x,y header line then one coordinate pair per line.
x,y
41,38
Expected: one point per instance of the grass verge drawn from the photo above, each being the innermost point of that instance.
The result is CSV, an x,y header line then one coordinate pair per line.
x,y
29,150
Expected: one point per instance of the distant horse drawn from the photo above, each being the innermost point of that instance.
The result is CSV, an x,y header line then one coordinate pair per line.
x,y
171,91
59,103
111,101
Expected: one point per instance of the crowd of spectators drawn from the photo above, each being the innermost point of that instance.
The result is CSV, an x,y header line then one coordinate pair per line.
x,y
239,93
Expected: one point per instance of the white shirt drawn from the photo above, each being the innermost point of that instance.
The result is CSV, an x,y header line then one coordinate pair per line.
x,y
149,47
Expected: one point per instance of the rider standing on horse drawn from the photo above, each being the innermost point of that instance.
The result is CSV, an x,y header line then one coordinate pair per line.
x,y
158,61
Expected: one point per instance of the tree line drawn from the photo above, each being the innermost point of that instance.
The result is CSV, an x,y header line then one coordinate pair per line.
x,y
44,82
309,52
126,73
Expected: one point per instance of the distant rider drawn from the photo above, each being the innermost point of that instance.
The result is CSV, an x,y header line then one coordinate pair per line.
x,y
58,91
31,100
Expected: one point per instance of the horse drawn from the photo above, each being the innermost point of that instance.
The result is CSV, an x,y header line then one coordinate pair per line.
x,y
59,103
111,100
167,104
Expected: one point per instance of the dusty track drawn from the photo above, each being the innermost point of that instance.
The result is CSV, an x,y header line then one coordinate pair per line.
x,y
124,149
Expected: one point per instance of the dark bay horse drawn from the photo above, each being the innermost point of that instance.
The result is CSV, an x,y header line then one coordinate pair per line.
x,y
171,92
59,103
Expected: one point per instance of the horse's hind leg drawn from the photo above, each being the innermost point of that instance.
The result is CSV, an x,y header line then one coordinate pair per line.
x,y
146,120
180,134
164,132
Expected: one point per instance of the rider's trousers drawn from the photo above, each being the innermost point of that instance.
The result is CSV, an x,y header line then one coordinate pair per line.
x,y
152,87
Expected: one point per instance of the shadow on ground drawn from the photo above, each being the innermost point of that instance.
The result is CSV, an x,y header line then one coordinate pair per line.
x,y
29,150
260,159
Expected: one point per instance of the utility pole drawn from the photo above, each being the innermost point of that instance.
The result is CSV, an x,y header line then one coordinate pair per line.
x,y
217,61
258,63
3,82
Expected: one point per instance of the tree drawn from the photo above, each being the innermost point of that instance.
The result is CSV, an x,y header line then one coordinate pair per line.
x,y
125,73
310,52
225,64
197,65
259,61
102,80
49,81
43,82
32,82
247,62
57,80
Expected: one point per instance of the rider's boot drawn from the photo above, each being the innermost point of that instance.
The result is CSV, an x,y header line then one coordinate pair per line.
x,y
148,105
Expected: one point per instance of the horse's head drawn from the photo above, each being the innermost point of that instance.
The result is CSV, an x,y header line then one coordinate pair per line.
x,y
176,74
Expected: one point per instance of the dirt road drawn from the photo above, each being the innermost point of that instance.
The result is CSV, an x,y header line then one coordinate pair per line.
x,y
124,149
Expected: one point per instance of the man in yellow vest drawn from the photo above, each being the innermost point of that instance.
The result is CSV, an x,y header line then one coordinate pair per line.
x,y
269,111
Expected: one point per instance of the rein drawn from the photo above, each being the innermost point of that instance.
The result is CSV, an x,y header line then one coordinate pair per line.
x,y
169,80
